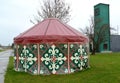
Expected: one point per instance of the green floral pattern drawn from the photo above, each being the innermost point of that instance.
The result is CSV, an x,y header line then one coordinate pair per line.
x,y
79,57
53,59
26,58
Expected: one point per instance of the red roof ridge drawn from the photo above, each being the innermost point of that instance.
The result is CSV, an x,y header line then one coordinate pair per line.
x,y
47,26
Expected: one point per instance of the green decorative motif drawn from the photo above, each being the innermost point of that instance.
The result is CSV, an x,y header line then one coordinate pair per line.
x,y
27,59
53,58
79,57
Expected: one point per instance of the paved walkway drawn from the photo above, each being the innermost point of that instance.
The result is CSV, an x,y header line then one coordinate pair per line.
x,y
4,58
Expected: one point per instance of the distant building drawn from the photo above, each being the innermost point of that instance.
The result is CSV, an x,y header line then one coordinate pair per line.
x,y
115,43
112,43
101,17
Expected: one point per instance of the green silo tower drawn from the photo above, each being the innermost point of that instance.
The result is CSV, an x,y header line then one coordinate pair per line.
x,y
102,26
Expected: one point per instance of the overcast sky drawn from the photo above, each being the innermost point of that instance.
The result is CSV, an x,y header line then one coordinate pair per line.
x,y
15,15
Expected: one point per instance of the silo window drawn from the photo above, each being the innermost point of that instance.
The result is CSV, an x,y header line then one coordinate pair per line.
x,y
97,11
105,46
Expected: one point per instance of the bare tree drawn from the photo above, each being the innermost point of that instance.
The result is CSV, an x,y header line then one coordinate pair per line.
x,y
113,31
99,37
96,37
53,9
89,31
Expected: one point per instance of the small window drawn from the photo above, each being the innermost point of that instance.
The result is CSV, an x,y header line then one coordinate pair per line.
x,y
105,46
97,12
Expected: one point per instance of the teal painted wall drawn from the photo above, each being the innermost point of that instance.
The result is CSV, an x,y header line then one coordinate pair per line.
x,y
101,13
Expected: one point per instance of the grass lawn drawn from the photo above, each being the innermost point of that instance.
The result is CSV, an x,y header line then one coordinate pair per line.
x,y
105,68
1,50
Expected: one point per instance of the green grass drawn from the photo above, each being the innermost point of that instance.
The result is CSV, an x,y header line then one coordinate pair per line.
x,y
105,68
1,50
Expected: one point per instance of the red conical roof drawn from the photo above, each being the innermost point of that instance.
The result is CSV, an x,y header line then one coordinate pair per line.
x,y
50,30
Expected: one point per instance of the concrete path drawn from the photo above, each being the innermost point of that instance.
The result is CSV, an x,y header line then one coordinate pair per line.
x,y
4,58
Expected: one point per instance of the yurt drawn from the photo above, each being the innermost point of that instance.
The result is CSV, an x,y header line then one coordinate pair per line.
x,y
51,47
